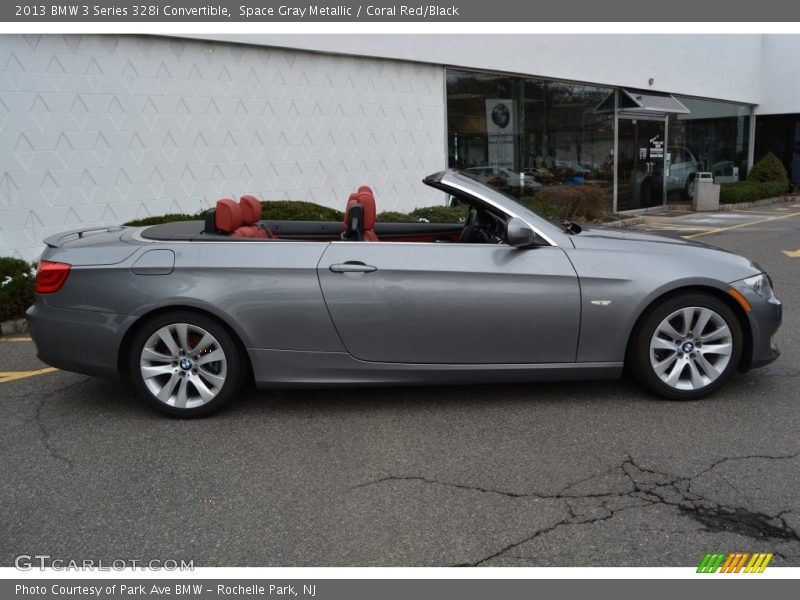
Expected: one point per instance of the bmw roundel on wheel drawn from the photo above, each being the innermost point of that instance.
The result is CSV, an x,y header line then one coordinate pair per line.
x,y
187,310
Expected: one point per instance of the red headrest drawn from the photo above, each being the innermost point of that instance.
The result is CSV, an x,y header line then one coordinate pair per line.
x,y
251,209
352,199
228,215
366,200
366,188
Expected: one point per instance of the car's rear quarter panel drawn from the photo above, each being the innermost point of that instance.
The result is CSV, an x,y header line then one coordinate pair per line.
x,y
268,293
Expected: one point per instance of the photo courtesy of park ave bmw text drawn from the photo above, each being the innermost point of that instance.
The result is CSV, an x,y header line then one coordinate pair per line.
x,y
298,298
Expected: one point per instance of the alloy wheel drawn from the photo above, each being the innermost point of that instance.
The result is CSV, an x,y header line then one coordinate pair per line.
x,y
691,348
183,365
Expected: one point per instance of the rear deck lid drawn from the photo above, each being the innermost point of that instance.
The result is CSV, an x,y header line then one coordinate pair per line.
x,y
89,246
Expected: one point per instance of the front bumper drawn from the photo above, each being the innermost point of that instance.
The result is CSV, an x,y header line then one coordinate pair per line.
x,y
765,318
82,341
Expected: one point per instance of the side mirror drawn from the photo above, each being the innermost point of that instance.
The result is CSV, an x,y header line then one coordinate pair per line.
x,y
519,234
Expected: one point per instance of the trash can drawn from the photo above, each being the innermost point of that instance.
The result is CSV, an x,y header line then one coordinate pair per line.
x,y
706,193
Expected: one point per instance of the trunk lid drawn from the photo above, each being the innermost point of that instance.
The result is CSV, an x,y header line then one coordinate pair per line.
x,y
88,246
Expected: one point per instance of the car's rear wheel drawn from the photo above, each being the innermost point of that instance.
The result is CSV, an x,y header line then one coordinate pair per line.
x,y
686,347
185,364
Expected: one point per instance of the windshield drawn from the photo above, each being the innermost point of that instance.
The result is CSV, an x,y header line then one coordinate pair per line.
x,y
477,186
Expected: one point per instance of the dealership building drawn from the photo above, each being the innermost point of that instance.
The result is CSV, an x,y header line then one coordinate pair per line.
x,y
101,129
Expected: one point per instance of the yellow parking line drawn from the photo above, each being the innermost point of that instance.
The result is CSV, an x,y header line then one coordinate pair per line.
x,y
740,225
6,376
17,339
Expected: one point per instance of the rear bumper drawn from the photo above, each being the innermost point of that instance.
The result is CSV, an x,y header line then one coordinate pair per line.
x,y
78,340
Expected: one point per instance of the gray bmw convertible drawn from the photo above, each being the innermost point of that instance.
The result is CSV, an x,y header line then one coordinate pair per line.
x,y
186,311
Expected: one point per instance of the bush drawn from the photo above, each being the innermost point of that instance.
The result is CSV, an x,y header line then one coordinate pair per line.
x,y
391,216
540,206
769,168
17,282
297,210
441,214
168,218
273,210
569,203
749,191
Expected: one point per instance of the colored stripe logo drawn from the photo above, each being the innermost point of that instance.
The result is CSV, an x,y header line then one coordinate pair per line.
x,y
735,562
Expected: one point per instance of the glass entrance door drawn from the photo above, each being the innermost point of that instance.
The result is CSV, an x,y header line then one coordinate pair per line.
x,y
641,162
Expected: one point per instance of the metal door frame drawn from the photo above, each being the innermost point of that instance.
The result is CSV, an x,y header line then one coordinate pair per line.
x,y
634,116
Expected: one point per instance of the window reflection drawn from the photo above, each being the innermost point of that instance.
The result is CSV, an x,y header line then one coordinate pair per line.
x,y
713,137
524,134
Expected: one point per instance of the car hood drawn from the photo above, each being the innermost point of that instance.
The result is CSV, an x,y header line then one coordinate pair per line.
x,y
689,256
591,233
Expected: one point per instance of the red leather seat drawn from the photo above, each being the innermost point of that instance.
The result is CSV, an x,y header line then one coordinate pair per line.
x,y
350,231
227,216
367,200
251,214
359,218
251,209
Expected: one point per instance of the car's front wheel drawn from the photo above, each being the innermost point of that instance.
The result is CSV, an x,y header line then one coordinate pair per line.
x,y
185,364
686,347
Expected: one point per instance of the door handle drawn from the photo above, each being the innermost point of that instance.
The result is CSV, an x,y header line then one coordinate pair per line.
x,y
352,267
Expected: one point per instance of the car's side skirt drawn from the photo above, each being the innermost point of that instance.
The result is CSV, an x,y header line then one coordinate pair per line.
x,y
288,368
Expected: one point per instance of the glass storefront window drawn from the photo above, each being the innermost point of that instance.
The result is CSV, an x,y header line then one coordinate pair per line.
x,y
525,134
780,134
714,136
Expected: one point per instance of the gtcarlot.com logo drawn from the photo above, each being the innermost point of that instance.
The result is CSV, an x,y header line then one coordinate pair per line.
x,y
28,562
734,562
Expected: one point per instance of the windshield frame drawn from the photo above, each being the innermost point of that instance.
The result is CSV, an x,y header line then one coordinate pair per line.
x,y
455,179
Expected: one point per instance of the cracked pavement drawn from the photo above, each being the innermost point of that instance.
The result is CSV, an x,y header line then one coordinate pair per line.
x,y
630,485
556,474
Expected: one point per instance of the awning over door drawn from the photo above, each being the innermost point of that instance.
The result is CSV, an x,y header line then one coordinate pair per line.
x,y
636,101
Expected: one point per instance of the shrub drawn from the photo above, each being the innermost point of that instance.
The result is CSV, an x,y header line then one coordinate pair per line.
x,y
540,206
441,214
391,216
297,210
157,220
572,202
769,168
749,191
17,282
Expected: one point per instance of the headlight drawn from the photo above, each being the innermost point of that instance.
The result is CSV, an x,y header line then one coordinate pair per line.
x,y
761,285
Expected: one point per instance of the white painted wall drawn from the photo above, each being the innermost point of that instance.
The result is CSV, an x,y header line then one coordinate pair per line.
x,y
725,67
98,130
780,75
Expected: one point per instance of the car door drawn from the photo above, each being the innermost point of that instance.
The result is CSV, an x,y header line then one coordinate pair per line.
x,y
452,303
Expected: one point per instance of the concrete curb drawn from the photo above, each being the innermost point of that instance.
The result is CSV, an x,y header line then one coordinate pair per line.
x,y
623,223
14,326
640,215
740,205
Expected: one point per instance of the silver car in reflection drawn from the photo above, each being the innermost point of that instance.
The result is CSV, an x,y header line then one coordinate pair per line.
x,y
186,311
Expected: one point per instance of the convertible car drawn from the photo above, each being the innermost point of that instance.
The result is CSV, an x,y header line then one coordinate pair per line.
x,y
186,311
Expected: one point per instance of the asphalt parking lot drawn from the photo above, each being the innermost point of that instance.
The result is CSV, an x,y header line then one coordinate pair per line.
x,y
568,474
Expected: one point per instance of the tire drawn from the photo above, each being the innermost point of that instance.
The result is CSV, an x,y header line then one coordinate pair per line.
x,y
174,380
679,363
688,189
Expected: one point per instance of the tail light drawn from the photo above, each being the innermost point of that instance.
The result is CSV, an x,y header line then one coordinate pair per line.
x,y
50,276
